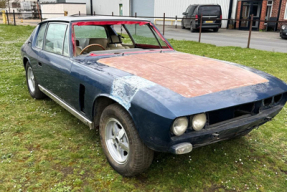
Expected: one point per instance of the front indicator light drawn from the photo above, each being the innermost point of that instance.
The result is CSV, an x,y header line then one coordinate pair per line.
x,y
179,126
198,121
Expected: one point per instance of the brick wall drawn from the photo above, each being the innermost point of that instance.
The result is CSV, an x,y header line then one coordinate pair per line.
x,y
263,13
238,13
282,11
274,12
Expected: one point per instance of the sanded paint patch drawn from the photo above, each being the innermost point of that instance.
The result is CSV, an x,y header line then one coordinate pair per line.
x,y
125,88
186,74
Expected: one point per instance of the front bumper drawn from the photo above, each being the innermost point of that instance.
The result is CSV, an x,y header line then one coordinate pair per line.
x,y
225,130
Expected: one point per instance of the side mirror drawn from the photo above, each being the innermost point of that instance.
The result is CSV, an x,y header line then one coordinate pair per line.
x,y
184,13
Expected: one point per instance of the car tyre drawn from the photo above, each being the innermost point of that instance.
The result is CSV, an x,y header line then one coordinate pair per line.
x,y
215,30
32,84
121,143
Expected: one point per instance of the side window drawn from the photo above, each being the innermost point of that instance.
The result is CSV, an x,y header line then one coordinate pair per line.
x,y
192,10
66,44
55,38
40,36
187,9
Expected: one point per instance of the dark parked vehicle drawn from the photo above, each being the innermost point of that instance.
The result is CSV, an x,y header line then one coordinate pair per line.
x,y
142,94
283,32
209,14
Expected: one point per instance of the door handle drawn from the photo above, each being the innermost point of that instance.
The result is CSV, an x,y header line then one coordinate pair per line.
x,y
40,64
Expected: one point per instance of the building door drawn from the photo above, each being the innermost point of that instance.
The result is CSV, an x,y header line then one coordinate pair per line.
x,y
143,8
247,9
121,9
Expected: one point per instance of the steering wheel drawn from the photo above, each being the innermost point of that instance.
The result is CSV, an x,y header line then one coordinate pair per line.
x,y
91,46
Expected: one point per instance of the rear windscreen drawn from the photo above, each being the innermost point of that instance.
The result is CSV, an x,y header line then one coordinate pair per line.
x,y
209,10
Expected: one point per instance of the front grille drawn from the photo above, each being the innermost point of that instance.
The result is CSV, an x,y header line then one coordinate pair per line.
x,y
232,112
241,111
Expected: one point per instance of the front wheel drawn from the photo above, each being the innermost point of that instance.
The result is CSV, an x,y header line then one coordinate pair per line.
x,y
32,84
124,150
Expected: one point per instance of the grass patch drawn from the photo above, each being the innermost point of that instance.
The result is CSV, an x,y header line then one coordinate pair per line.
x,y
44,148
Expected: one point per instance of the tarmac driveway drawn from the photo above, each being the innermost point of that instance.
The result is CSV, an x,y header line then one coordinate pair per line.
x,y
269,41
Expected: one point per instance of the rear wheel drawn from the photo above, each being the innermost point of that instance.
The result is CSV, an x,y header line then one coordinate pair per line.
x,y
121,143
32,83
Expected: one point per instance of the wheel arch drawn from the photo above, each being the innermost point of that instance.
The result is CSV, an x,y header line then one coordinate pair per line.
x,y
25,60
100,103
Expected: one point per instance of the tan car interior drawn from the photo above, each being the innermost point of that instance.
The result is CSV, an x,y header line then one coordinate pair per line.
x,y
110,43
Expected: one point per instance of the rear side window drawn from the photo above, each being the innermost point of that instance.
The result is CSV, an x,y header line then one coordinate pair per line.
x,y
187,9
40,36
209,10
55,38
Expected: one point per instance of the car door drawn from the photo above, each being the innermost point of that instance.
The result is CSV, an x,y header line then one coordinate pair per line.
x,y
37,45
185,18
190,16
193,12
55,60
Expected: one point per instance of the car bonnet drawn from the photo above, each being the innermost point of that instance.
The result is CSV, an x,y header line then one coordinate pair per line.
x,y
185,74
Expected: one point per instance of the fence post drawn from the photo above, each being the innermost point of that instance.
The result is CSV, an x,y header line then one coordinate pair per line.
x,y
135,24
200,26
112,13
7,17
163,23
250,29
94,13
176,21
14,17
79,13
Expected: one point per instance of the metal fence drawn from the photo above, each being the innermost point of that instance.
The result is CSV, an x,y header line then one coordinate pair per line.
x,y
18,19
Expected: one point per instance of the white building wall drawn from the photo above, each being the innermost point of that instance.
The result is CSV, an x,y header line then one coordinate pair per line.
x,y
171,8
60,8
234,6
106,7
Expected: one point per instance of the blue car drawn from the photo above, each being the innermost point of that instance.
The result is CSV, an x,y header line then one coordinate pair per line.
x,y
121,76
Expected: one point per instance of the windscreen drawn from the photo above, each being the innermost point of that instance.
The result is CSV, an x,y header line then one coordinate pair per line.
x,y
209,10
94,36
143,34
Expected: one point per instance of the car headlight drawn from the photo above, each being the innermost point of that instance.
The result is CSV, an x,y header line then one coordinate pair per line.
x,y
283,27
198,121
179,126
